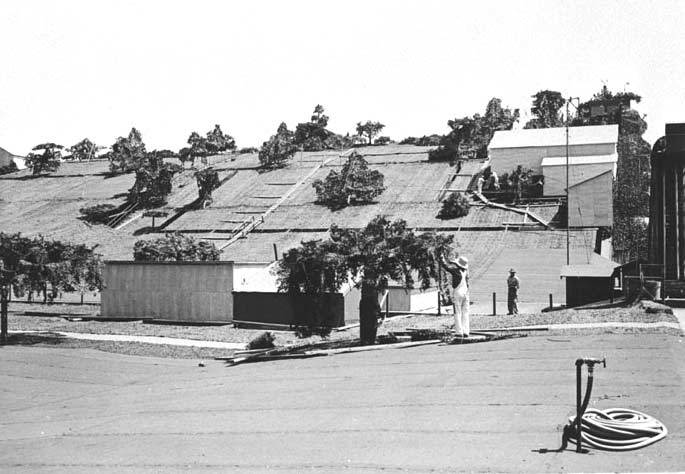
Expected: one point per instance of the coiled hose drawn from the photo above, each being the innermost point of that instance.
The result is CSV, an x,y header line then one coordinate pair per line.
x,y
617,429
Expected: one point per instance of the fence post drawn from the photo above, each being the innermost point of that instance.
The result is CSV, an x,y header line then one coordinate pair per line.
x,y
494,303
551,301
387,304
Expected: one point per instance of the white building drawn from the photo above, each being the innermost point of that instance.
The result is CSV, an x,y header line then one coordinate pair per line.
x,y
591,166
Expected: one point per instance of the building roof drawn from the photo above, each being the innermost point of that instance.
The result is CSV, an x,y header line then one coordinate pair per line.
x,y
598,267
579,160
538,137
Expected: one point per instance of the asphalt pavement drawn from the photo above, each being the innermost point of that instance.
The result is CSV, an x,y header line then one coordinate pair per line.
x,y
479,407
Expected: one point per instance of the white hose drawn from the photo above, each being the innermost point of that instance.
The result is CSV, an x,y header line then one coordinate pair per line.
x,y
619,429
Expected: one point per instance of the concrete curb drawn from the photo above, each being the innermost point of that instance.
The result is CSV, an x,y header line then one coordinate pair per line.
x,y
170,341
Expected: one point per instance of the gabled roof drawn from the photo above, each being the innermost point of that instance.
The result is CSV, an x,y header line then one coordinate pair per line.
x,y
537,137
591,178
599,267
579,160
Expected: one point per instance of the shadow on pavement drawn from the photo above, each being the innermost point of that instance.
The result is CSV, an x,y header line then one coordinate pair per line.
x,y
26,339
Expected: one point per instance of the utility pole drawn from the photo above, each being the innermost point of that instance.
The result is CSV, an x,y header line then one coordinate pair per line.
x,y
568,203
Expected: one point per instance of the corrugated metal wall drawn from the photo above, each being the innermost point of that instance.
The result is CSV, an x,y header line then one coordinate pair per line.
x,y
180,291
591,203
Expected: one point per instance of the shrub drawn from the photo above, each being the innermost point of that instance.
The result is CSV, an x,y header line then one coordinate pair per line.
x,y
355,183
456,205
264,341
98,214
249,149
10,168
174,248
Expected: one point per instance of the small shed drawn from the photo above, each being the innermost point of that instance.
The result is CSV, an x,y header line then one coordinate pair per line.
x,y
176,291
591,282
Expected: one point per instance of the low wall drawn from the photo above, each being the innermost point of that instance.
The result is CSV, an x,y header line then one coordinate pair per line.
x,y
179,291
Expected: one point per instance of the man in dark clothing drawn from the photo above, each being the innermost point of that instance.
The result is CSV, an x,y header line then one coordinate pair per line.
x,y
513,284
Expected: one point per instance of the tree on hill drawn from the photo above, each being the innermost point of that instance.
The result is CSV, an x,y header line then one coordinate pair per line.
x,y
355,183
49,160
382,141
175,248
546,110
370,257
314,136
83,151
207,181
198,148
218,141
470,136
153,181
426,140
369,129
276,151
456,205
128,153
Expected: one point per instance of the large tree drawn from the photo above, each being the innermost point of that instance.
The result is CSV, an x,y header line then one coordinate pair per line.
x,y
49,160
355,183
546,110
470,136
128,153
369,129
276,151
35,264
370,257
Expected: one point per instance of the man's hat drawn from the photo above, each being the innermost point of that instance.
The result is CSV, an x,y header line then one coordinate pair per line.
x,y
511,270
462,262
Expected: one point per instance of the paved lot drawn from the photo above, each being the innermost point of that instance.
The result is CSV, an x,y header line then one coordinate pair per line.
x,y
479,407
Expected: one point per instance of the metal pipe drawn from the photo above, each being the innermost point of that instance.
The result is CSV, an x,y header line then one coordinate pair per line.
x,y
579,425
568,204
494,303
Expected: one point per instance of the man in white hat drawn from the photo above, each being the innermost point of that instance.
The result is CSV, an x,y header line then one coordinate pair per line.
x,y
459,270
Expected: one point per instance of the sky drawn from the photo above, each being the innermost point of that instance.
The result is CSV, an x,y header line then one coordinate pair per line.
x,y
74,69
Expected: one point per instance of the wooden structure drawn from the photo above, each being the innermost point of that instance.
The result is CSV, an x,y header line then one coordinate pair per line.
x,y
591,202
667,208
274,308
177,291
588,283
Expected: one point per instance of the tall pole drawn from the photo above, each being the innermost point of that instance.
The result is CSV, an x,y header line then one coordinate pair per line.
x,y
568,203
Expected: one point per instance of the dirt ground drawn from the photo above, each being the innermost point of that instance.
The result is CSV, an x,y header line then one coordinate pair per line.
x,y
22,319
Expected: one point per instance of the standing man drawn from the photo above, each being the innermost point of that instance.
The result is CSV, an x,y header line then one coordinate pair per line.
x,y
513,284
458,269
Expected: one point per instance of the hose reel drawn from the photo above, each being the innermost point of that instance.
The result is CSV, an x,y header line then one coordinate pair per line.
x,y
615,429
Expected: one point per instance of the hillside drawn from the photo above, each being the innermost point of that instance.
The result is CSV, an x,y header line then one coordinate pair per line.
x,y
280,205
